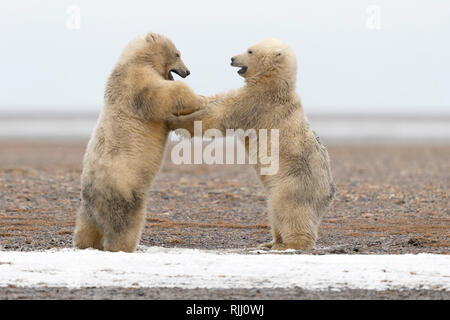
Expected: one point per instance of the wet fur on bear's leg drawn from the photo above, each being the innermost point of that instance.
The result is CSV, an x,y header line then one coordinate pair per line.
x,y
126,239
120,214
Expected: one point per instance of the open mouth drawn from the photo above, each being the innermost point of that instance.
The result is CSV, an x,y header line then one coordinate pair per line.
x,y
242,70
170,75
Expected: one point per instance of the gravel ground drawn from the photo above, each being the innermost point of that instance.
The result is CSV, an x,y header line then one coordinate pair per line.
x,y
391,200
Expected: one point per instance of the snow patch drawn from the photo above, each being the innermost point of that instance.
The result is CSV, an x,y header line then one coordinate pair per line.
x,y
192,268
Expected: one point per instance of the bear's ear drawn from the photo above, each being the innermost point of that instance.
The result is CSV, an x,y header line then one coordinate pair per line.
x,y
151,37
278,55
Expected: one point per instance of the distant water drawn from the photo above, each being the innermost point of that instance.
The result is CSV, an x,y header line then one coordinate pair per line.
x,y
331,129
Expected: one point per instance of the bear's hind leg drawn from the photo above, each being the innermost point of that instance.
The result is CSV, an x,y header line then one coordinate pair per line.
x,y
126,237
298,227
86,234
276,235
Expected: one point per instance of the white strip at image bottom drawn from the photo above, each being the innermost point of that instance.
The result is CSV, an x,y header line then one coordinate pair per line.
x,y
153,267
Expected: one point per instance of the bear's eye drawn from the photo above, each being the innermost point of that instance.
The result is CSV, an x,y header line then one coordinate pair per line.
x,y
177,55
250,52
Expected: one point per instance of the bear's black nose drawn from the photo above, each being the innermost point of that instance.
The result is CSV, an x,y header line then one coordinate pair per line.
x,y
187,73
232,59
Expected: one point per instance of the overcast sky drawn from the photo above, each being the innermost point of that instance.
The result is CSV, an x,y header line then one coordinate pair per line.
x,y
346,63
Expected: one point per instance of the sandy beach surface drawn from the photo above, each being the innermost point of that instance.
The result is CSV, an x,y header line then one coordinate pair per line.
x,y
391,200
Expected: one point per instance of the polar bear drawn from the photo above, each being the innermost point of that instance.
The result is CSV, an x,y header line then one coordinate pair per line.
x,y
303,188
126,149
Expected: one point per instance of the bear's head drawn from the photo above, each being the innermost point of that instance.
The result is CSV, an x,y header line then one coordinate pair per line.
x,y
157,51
268,59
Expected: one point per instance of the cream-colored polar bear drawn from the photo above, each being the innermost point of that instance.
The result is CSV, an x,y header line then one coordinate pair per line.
x,y
303,188
127,146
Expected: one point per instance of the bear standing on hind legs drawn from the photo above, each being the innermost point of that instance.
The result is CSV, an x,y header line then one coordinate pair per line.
x,y
126,149
303,188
